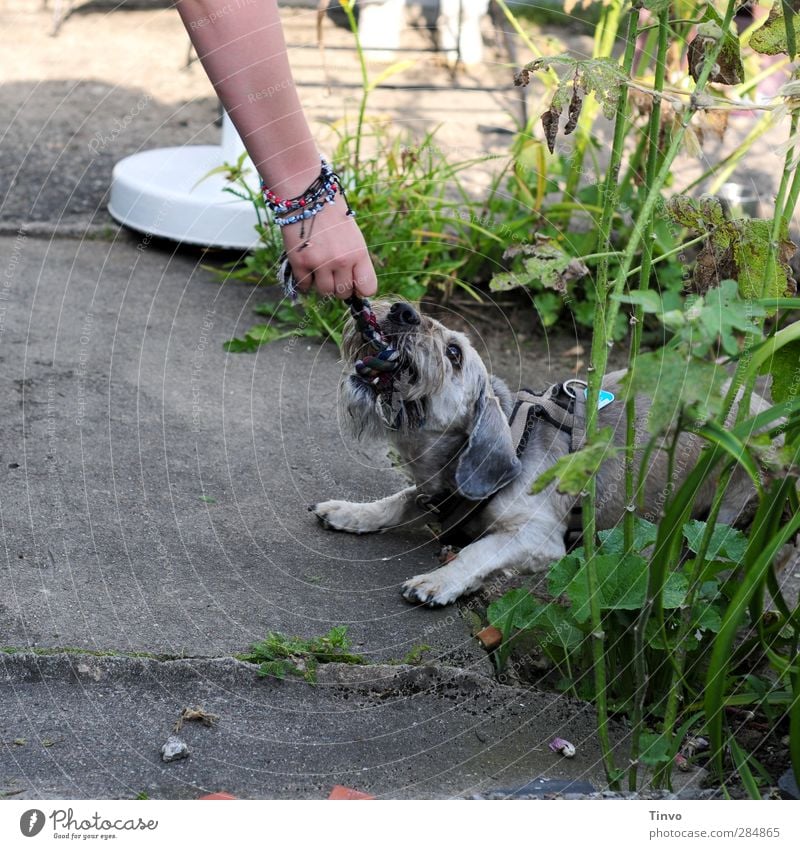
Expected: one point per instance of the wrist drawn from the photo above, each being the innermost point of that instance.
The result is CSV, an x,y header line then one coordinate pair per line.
x,y
319,193
295,177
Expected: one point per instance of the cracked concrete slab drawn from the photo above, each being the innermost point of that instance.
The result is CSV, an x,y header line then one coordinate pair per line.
x,y
154,488
88,727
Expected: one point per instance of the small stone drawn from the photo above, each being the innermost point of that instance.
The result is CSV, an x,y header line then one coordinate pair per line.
x,y
174,749
490,637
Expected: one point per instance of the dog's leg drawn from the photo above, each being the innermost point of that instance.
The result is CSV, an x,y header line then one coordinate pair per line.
x,y
526,549
373,516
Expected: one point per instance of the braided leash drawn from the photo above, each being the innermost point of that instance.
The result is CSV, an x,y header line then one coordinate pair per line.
x,y
378,368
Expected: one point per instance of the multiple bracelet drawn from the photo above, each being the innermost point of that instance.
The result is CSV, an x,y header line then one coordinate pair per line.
x,y
312,201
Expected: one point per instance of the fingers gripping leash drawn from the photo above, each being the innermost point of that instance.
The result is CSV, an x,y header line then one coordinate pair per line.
x,y
378,368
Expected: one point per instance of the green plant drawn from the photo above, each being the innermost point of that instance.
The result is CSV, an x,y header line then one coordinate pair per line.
x,y
416,654
559,194
279,655
663,605
563,628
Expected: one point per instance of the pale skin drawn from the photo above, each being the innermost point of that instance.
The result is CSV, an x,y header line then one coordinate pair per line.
x,y
242,48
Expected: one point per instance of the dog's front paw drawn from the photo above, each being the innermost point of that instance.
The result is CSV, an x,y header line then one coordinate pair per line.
x,y
435,589
345,516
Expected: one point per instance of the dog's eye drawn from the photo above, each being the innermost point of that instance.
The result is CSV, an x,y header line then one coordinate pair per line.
x,y
454,354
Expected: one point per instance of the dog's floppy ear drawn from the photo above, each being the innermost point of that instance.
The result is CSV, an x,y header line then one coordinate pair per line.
x,y
488,461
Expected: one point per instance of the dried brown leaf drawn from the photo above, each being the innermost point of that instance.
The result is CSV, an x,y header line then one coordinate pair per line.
x,y
550,124
522,77
195,715
574,111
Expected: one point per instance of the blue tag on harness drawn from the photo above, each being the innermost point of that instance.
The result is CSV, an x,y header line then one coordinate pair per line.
x,y
604,400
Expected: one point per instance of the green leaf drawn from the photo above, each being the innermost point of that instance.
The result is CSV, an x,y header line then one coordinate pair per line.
x,y
621,585
654,749
722,311
280,655
562,572
613,541
555,626
572,471
513,605
647,299
785,370
241,346
676,385
675,589
511,608
706,618
548,306
726,542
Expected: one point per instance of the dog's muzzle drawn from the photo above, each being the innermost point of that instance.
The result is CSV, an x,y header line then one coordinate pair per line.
x,y
401,317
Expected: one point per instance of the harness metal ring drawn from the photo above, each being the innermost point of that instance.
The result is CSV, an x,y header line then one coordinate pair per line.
x,y
567,383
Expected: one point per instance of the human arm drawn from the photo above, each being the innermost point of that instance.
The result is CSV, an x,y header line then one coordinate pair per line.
x,y
242,48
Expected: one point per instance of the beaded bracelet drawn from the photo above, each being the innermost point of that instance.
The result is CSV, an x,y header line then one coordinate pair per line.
x,y
305,206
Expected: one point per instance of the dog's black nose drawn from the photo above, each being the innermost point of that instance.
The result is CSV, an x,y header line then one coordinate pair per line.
x,y
403,314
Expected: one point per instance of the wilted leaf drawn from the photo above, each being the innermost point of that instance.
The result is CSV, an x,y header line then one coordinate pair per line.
x,y
505,280
701,215
727,69
751,250
545,265
771,38
601,77
572,471
736,249
550,125
574,110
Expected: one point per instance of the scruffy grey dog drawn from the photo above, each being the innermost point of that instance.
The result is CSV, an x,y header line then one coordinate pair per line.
x,y
452,433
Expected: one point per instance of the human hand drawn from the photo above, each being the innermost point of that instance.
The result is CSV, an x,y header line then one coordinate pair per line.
x,y
335,258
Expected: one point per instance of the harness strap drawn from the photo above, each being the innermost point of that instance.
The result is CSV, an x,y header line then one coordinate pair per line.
x,y
556,406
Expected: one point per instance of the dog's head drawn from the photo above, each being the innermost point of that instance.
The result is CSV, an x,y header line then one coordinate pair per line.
x,y
442,391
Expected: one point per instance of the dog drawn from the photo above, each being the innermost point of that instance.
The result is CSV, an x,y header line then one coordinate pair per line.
x,y
448,420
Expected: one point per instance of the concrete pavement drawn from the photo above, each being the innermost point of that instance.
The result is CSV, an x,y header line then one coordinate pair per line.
x,y
153,500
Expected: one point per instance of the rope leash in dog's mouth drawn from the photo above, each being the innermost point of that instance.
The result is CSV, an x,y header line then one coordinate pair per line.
x,y
379,368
